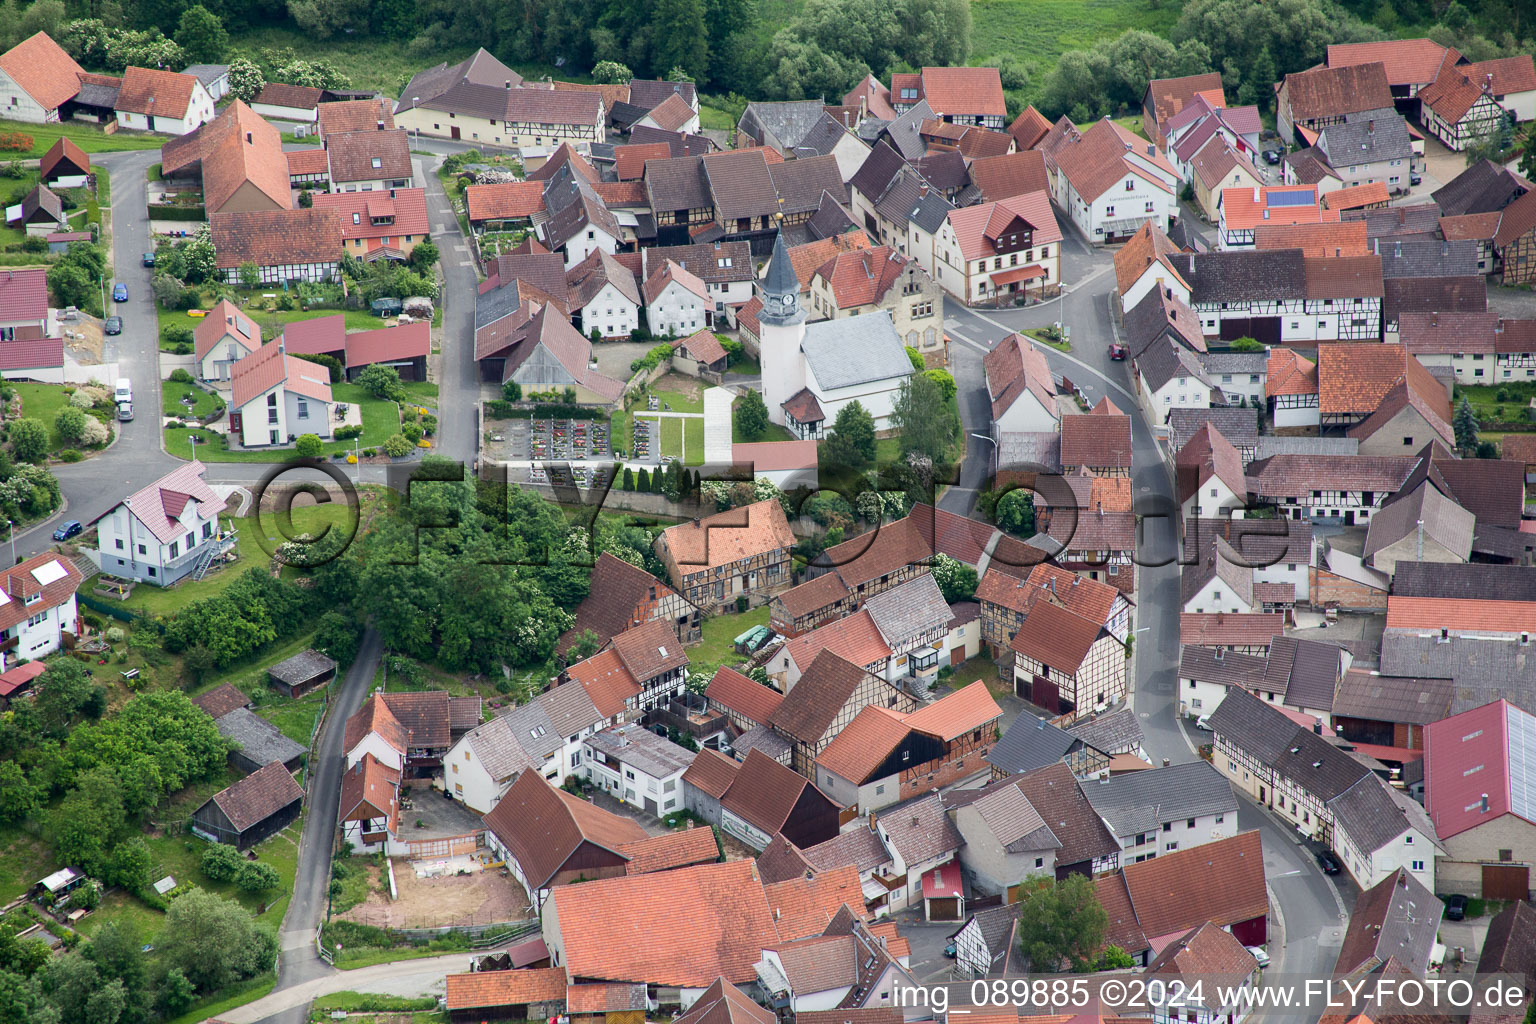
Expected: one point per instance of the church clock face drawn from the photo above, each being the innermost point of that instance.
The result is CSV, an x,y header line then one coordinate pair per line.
x,y
789,303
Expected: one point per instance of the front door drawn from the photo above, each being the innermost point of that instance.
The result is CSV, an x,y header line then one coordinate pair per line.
x,y
650,806
956,656
453,131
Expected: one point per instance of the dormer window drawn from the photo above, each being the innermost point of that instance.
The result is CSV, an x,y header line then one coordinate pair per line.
x,y
377,163
32,599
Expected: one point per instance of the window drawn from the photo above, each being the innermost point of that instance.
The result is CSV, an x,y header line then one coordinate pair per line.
x,y
1039,862
1418,865
175,548
1167,826
1506,855
880,789
1220,818
142,550
1109,211
303,409
376,163
119,543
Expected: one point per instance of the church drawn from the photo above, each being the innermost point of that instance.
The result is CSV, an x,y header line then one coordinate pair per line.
x,y
810,371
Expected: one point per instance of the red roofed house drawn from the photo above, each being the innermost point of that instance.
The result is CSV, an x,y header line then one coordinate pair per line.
x,y
884,756
641,669
65,165
865,280
153,100
404,347
1110,181
258,806
956,95
379,225
749,546
164,532
370,804
37,606
223,338
37,78
285,245
998,252
1165,97
1066,663
1021,387
23,304
1459,107
1244,210
530,994
758,799
503,204
274,397
1482,801
789,464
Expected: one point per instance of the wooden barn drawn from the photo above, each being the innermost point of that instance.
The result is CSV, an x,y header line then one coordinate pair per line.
x,y
258,806
308,670
484,996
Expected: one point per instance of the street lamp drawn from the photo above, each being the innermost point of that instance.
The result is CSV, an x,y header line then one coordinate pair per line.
x,y
990,440
12,526
417,113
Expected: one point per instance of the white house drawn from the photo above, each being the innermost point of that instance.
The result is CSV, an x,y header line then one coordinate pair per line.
x,y
1142,266
676,302
165,531
726,268
1165,809
1110,181
374,731
1210,471
544,735
223,337
275,397
37,78
1007,841
1204,977
370,804
169,102
604,296
637,767
1168,377
998,252
1021,387
37,606
215,78
811,371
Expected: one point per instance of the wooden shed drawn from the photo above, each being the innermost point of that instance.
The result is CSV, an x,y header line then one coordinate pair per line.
x,y
304,672
258,806
484,996
621,1003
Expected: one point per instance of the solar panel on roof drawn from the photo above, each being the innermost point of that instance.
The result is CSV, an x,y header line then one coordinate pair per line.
x,y
1290,198
50,573
1521,729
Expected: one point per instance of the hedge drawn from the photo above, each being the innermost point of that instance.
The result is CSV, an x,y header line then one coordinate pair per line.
x,y
501,409
161,211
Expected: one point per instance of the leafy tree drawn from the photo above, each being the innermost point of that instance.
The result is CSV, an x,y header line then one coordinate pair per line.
x,y
70,423
611,72
338,636
381,381
175,994
511,390
308,446
831,44
130,865
306,199
1064,923
213,941
1464,425
221,862
250,275
956,580
200,260
923,419
1246,345
752,415
89,820
945,381
18,796
1527,150
1115,959
201,36
629,479
586,645
257,876
43,16
1493,143
424,255
1015,512
72,285
63,692
852,444
916,359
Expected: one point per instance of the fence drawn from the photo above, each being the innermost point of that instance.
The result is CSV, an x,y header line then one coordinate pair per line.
x,y
107,607
165,211
435,926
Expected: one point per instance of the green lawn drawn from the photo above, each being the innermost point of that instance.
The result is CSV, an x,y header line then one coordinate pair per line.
x,y
693,442
24,858
775,432
715,648
619,434
679,402
1488,406
296,718
381,419
713,116
1036,32
172,393
1038,333
271,323
43,402
671,437
90,139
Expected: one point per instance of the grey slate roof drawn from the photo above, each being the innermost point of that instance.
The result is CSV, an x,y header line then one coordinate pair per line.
x,y
1437,579
1269,445
765,739
302,667
823,137
1228,668
1013,820
1164,360
875,174
498,302
499,743
1422,256
655,755
1140,801
1367,136
920,829
1239,426
1235,363
1021,447
208,74
831,218
569,709
905,134
1482,671
1031,743
1116,732
788,120
996,927
1237,275
1378,698
1482,188
1441,519
908,610
1308,669
1397,917
855,350
1419,219
904,201
259,739
1374,814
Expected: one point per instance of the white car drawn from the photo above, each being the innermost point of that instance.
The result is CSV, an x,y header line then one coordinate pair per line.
x,y
1259,955
1203,723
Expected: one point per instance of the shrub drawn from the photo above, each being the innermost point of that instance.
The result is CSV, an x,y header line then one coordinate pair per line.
x,y
511,391
115,634
412,432
397,446
29,439
221,862
348,432
429,425
70,423
308,446
71,455
15,142
181,376
257,876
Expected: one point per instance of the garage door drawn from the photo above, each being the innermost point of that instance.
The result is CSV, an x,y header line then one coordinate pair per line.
x,y
946,909
1264,329
956,657
1506,881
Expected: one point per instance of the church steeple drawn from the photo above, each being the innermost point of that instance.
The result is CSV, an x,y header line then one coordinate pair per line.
x,y
781,289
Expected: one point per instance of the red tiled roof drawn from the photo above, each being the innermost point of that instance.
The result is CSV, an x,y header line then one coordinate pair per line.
x,y
671,850
159,505
353,116
319,335
1336,91
491,989
308,161
1056,637
1479,227
862,277
606,681
156,92
962,539
1452,95
357,211
629,161
727,926
504,200
954,714
1355,378
369,789
1215,629
1087,598
810,257
1096,441
1095,160
542,827
259,795
964,91
864,743
671,114
62,150
977,228
298,97
854,638
1334,238
1504,75
240,147
1405,61
712,772
1147,246
216,703
270,238
1029,128
1461,613
387,344
1289,374
13,680
1356,197
375,717
668,273
804,907
728,536
1172,893
1245,208
1171,95
41,67
23,293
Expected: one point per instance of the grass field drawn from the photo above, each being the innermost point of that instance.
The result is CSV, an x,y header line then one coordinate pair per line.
x,y
715,648
172,393
43,402
87,137
296,718
381,419
693,442
24,858
1487,403
671,437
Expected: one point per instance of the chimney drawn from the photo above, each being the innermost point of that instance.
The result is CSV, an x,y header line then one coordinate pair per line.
x,y
695,521
509,83
1317,726
1421,539
247,138
922,190
1370,127
380,125
1483,804
1402,215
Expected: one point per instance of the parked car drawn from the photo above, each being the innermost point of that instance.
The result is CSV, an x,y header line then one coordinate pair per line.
x,y
124,412
1116,352
1455,907
66,530
149,259
1203,723
113,325
951,951
1328,862
1259,955
1272,156
123,392
1415,178
119,292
